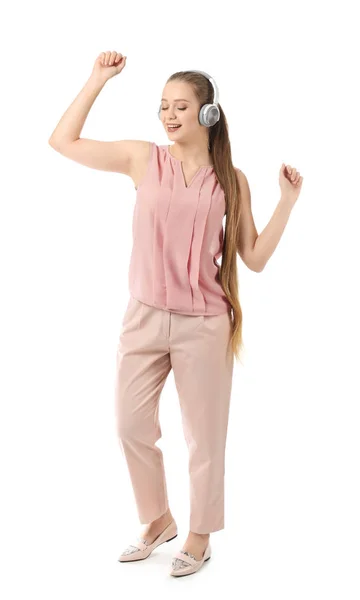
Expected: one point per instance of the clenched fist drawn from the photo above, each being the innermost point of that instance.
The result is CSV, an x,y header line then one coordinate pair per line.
x,y
108,64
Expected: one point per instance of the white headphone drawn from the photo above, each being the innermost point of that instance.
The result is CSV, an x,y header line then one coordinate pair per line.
x,y
209,114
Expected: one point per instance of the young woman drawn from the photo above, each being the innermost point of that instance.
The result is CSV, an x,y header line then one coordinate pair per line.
x,y
183,312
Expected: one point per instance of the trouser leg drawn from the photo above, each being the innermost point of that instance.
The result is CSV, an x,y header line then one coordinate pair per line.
x,y
203,368
142,366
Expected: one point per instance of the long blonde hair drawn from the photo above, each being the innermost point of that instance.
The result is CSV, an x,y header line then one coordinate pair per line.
x,y
220,151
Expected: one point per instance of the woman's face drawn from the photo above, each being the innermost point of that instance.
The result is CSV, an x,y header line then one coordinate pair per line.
x,y
179,106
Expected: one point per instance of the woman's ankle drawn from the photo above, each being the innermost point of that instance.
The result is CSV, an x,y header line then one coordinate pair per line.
x,y
203,535
165,517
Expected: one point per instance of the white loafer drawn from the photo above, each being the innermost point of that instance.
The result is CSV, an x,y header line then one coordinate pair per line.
x,y
188,563
140,549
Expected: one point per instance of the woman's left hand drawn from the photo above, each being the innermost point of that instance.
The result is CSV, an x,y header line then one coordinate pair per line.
x,y
290,182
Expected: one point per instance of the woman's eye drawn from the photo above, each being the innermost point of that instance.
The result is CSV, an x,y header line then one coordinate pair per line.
x,y
179,108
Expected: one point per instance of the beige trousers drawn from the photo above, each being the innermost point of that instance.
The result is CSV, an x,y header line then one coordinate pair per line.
x,y
152,341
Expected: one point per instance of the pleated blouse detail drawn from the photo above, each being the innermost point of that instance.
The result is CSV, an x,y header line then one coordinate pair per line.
x,y
177,238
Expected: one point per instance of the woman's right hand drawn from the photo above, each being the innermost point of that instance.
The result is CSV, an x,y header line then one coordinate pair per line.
x,y
108,64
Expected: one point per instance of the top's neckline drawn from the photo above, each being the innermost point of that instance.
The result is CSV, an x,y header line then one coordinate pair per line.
x,y
180,161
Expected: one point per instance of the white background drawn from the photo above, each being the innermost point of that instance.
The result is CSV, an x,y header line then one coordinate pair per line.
x,y
287,78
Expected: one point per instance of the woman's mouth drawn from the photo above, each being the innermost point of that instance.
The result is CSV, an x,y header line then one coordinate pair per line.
x,y
171,128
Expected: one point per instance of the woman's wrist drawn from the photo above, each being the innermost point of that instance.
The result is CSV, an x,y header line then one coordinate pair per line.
x,y
97,81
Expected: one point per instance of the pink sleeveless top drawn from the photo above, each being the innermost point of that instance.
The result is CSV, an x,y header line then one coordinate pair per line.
x,y
177,238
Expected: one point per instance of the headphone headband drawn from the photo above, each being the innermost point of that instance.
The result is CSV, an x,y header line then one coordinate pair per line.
x,y
213,83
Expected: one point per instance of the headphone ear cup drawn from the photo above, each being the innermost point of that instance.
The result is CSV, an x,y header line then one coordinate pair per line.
x,y
202,115
209,115
159,112
214,114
